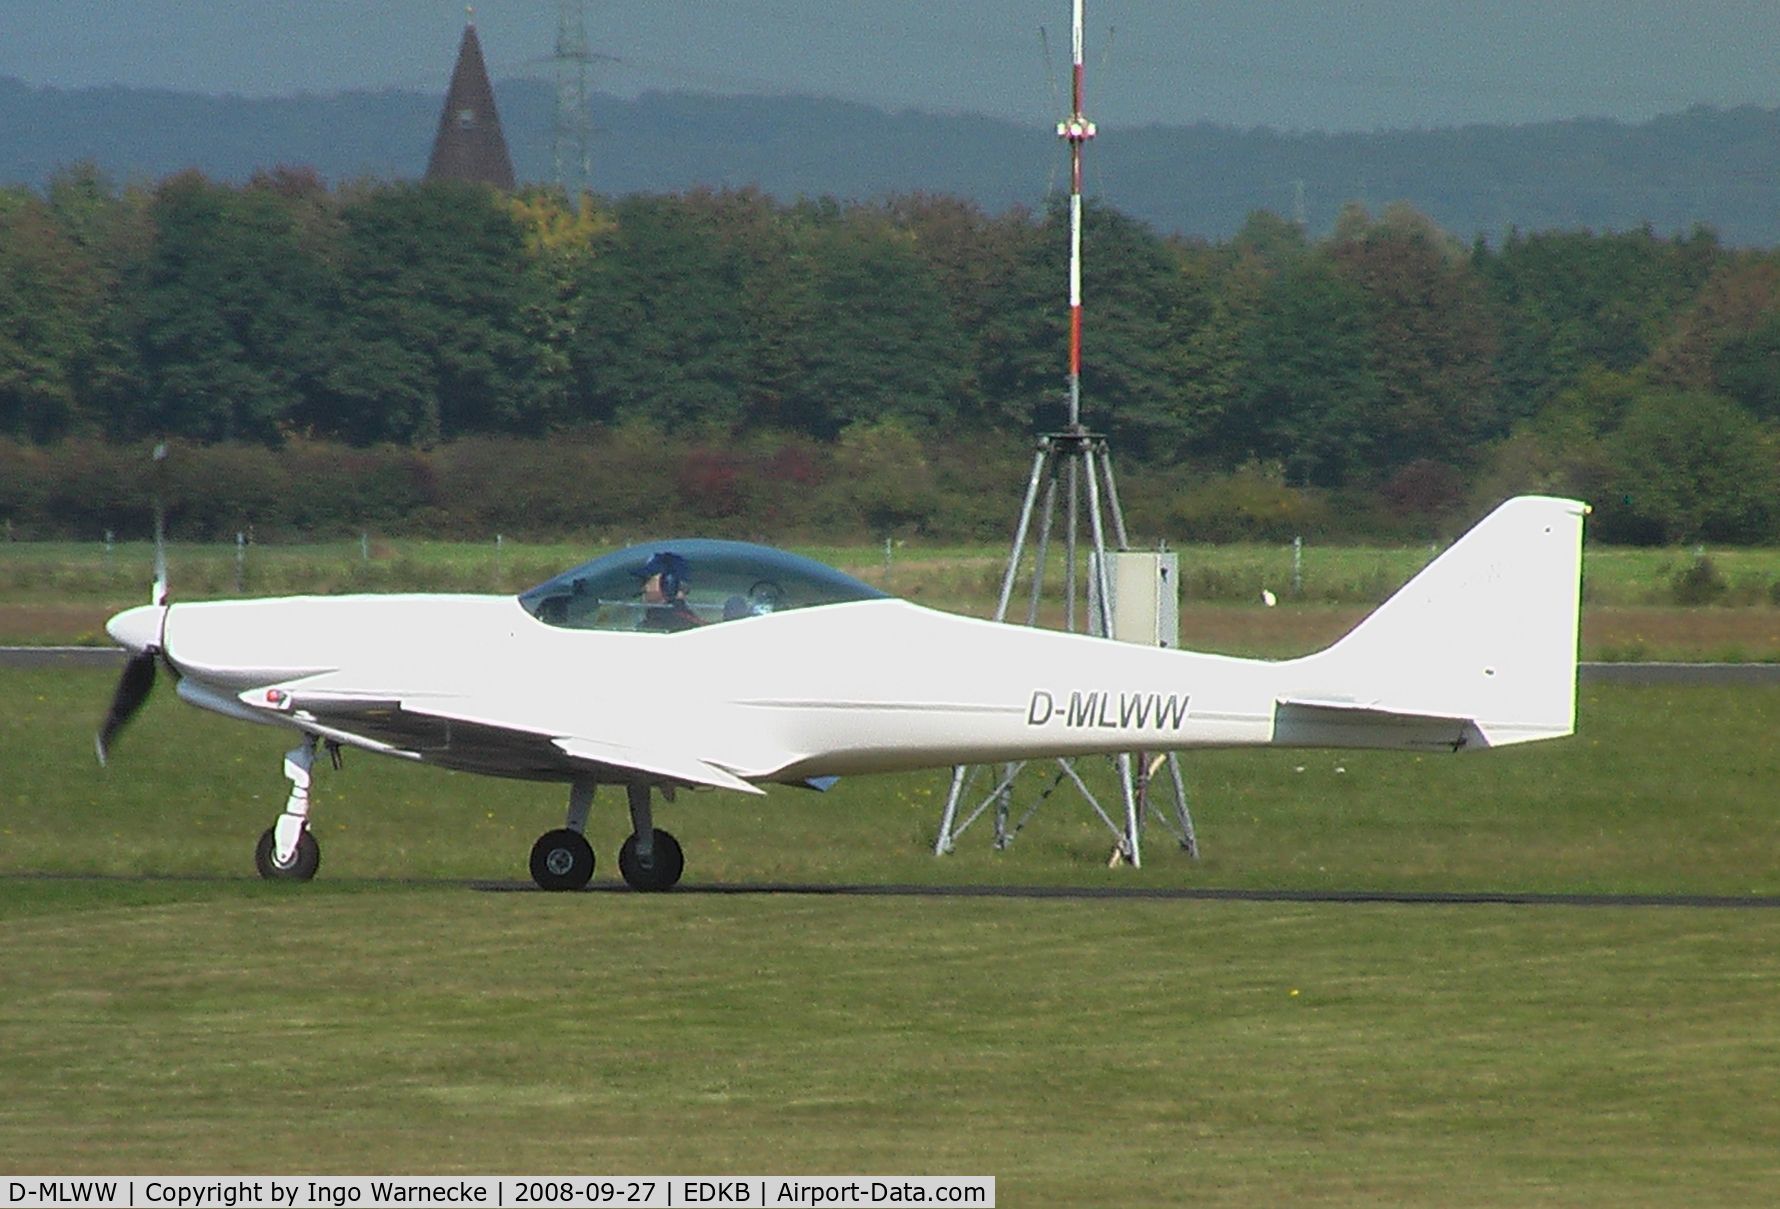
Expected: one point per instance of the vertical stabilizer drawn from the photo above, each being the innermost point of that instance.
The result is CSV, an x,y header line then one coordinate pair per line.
x,y
1484,637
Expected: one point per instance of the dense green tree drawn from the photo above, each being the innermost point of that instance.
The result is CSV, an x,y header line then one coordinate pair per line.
x,y
46,300
662,321
1570,300
1310,393
113,234
1022,346
1732,301
970,255
228,313
439,317
1432,342
1747,368
733,345
1691,467
882,343
1209,356
1270,241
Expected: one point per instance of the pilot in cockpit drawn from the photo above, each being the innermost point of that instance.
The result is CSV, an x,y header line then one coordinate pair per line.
x,y
666,578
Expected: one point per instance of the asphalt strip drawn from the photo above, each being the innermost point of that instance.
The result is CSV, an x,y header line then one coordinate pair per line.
x,y
1432,898
1418,898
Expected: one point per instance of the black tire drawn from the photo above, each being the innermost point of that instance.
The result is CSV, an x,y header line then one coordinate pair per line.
x,y
665,866
304,862
562,860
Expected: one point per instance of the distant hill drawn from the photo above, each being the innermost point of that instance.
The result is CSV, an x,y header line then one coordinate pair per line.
x,y
1711,166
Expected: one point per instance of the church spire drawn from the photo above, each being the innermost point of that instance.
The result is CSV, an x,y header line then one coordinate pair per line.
x,y
469,145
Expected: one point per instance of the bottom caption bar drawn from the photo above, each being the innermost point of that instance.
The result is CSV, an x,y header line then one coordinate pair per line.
x,y
525,1192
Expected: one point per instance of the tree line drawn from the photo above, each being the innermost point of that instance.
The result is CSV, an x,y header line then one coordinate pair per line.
x,y
1386,373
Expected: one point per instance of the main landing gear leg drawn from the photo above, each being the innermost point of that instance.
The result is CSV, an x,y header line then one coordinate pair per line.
x,y
288,851
563,859
649,859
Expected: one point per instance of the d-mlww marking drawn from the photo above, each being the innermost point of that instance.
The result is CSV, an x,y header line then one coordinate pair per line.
x,y
1104,709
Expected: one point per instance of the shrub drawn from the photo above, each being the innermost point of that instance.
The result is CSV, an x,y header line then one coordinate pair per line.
x,y
1698,583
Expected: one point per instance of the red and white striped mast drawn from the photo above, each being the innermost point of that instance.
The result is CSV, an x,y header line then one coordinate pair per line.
x,y
1075,130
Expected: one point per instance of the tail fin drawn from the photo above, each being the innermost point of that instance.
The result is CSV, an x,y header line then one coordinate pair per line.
x,y
1479,649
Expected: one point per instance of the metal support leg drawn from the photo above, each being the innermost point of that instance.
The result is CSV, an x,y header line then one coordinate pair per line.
x,y
1184,813
1132,853
942,843
1013,561
642,821
580,806
298,763
1091,503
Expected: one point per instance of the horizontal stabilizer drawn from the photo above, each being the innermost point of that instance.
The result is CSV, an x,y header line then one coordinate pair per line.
x,y
1354,724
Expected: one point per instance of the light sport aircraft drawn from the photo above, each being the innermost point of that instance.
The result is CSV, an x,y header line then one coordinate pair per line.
x,y
708,664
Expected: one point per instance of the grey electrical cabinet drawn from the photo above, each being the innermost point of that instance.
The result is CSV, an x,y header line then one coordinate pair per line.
x,y
1145,588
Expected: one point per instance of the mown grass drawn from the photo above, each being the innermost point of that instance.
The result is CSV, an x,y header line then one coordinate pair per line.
x,y
1083,1051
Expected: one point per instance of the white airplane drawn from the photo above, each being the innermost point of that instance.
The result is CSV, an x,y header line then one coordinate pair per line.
x,y
722,665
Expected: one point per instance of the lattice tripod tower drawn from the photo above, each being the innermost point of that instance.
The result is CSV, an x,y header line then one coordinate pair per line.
x,y
1077,465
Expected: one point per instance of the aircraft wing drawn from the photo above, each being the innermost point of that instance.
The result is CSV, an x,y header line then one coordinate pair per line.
x,y
446,731
667,766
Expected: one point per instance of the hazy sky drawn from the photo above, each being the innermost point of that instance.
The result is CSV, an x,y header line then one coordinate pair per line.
x,y
1292,64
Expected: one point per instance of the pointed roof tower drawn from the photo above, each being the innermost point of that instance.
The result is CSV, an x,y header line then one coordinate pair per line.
x,y
469,145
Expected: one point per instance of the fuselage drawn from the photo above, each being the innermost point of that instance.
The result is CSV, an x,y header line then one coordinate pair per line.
x,y
776,668
871,685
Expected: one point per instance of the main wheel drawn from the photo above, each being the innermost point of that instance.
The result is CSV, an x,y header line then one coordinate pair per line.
x,y
303,862
562,860
663,869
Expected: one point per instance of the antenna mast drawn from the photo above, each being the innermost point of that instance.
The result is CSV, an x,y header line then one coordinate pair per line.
x,y
1076,130
1080,462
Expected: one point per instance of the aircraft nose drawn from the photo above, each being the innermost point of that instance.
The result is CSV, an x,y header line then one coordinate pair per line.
x,y
136,629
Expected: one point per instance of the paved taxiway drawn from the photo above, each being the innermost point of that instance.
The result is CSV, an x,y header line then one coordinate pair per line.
x,y
1415,898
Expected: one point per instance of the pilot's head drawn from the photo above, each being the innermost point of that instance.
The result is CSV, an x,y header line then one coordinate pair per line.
x,y
665,578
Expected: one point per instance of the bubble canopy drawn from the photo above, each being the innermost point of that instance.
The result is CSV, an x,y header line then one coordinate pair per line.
x,y
717,581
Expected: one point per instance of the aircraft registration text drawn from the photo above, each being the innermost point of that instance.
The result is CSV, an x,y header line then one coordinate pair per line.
x,y
1104,709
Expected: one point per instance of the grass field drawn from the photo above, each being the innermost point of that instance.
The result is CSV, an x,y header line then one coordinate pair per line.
x,y
1234,572
164,1011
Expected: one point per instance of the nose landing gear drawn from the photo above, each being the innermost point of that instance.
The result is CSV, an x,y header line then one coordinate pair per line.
x,y
287,850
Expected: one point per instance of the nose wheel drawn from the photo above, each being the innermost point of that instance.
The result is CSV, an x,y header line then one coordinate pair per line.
x,y
301,865
288,851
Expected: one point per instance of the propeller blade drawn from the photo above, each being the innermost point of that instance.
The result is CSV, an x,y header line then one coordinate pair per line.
x,y
133,687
